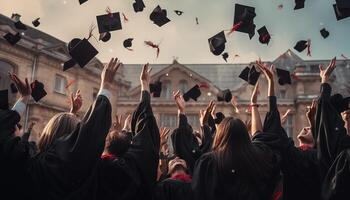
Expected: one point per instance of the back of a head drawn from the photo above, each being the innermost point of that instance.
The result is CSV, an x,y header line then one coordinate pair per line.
x,y
118,143
59,125
233,149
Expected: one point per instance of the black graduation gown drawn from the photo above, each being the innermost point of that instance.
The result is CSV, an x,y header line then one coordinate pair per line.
x,y
64,167
33,149
186,145
206,183
333,150
300,168
170,189
132,176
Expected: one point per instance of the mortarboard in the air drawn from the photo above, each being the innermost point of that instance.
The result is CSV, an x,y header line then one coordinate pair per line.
x,y
82,1
193,93
299,4
36,22
324,33
178,12
138,5
244,19
225,56
13,88
109,22
342,9
38,91
219,116
105,37
4,100
283,76
159,16
156,88
128,43
301,45
12,39
340,103
250,75
264,35
217,43
224,95
81,51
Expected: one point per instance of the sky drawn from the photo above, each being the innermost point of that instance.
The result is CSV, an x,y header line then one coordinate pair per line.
x,y
182,38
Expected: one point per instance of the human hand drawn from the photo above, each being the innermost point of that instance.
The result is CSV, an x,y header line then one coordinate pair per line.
x,y
145,77
325,74
76,101
108,73
23,87
180,102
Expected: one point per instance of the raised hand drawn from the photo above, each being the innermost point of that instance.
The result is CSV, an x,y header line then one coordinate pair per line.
x,y
254,97
164,135
180,102
127,123
325,74
118,123
23,87
213,112
76,101
269,73
204,115
108,73
285,116
311,112
145,77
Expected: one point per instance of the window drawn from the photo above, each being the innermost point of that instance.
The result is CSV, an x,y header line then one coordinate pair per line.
x,y
283,94
168,120
183,86
166,90
289,126
94,94
60,84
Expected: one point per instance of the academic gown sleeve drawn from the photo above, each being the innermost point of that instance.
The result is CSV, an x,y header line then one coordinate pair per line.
x,y
185,143
330,133
144,150
207,139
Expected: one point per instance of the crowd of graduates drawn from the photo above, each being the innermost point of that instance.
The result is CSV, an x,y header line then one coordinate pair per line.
x,y
97,157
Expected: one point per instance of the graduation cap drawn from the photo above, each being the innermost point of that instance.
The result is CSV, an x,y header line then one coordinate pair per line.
x,y
250,75
299,4
264,35
138,5
4,100
36,22
156,88
225,56
109,22
244,20
13,88
340,103
38,91
128,43
15,17
342,9
81,51
82,1
193,93
283,76
224,95
217,43
324,33
219,116
12,39
301,45
159,16
105,37
178,12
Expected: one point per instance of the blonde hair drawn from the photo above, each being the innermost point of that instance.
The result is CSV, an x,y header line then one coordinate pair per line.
x,y
59,125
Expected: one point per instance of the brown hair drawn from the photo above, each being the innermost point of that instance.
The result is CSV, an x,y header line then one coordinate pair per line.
x,y
58,126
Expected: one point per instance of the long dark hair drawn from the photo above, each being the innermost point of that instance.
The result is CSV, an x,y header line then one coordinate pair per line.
x,y
233,150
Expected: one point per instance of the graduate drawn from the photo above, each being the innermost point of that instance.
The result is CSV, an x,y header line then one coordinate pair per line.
x,y
238,167
186,144
61,165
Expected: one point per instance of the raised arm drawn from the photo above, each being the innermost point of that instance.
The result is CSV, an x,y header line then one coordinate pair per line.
x,y
256,125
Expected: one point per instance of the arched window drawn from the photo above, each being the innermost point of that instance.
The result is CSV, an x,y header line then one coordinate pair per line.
x,y
166,90
183,86
5,81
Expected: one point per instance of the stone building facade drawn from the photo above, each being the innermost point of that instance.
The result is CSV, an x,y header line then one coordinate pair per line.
x,y
39,56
